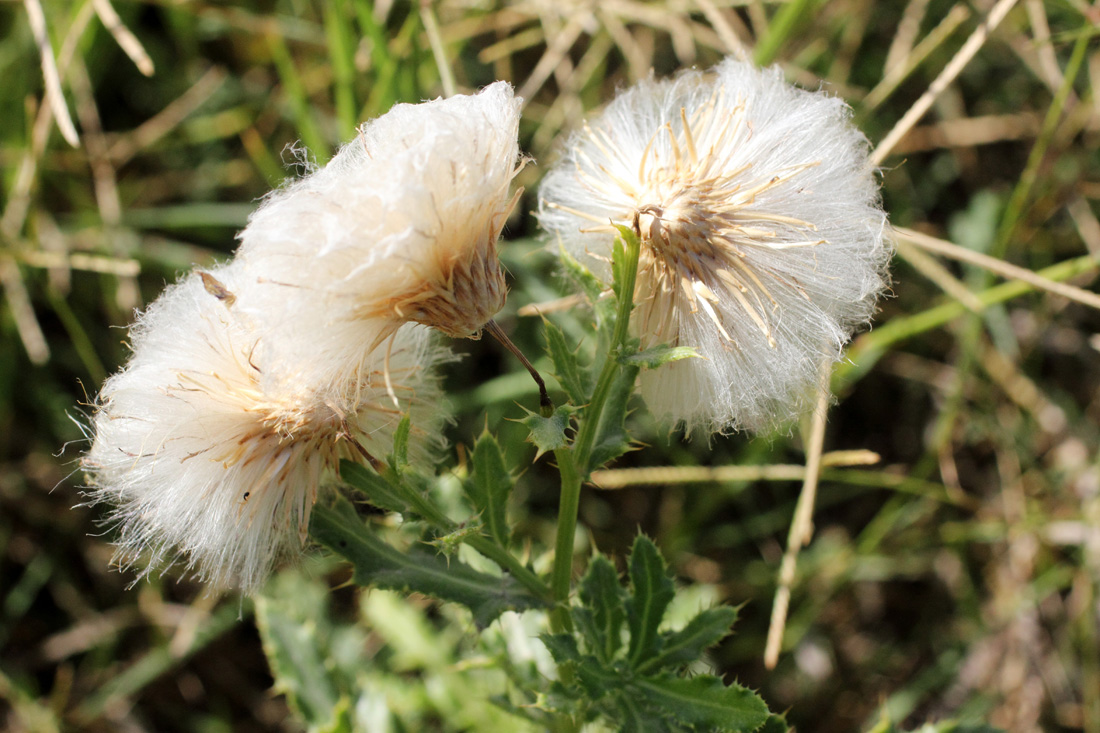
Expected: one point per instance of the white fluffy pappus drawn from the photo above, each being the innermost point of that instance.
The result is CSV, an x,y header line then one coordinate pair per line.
x,y
204,467
763,241
400,226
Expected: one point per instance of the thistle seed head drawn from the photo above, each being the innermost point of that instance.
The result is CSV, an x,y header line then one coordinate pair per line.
x,y
763,243
203,464
400,227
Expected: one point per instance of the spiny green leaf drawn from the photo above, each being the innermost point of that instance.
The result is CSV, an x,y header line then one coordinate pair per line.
x,y
588,282
659,356
704,701
294,629
544,719
652,592
400,458
687,644
602,596
566,368
596,679
381,565
406,493
632,718
377,490
489,487
548,433
449,543
297,662
562,647
636,716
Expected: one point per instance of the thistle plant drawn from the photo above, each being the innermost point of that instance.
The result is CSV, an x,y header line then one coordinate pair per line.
x,y
722,249
307,461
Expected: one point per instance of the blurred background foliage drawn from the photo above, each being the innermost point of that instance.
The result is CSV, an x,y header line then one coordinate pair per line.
x,y
956,576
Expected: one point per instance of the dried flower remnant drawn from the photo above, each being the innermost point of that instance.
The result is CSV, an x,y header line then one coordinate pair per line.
x,y
201,464
401,226
763,242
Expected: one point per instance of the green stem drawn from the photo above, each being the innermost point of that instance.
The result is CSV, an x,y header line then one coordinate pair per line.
x,y
562,574
573,462
582,446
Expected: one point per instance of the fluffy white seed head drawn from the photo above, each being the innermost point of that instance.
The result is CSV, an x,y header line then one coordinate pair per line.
x,y
202,465
401,226
762,235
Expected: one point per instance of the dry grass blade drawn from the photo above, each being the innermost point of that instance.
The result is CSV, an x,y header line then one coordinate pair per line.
x,y
899,72
510,45
19,197
1023,391
950,72
566,108
554,54
128,295
86,263
621,478
906,35
1048,61
725,30
938,274
22,312
1087,224
52,78
551,306
970,131
802,524
636,58
126,40
435,40
999,267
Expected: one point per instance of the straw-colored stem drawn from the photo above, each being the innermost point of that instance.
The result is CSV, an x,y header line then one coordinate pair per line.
x,y
435,40
801,526
126,40
37,19
896,74
998,267
621,478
